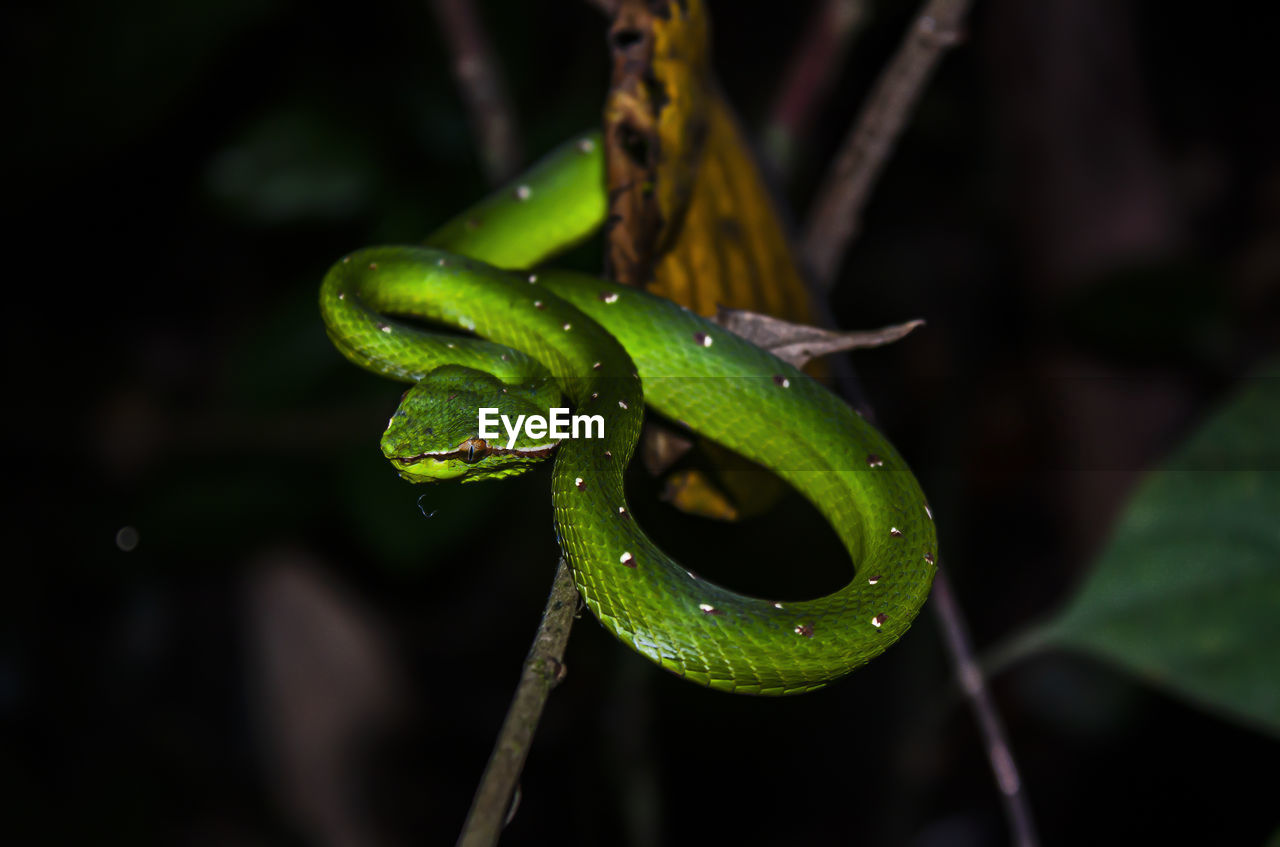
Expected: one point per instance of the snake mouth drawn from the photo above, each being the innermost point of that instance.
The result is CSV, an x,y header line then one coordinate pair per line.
x,y
463,463
473,450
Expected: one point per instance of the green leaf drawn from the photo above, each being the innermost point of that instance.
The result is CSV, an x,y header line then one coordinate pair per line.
x,y
1187,593
295,165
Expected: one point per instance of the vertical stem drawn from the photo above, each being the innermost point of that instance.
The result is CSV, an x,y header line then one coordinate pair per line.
x,y
813,67
483,91
956,638
834,217
543,669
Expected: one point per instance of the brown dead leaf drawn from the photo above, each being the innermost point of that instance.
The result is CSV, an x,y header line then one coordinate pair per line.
x,y
654,125
798,344
663,447
690,217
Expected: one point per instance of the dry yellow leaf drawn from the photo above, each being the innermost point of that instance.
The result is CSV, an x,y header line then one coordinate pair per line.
x,y
690,216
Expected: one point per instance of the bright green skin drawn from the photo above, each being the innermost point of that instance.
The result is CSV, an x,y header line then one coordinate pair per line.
x,y
691,370
512,228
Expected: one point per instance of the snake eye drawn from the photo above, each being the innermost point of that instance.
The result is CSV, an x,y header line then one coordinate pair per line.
x,y
477,448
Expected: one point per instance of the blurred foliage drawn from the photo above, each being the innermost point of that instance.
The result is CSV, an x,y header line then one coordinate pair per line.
x,y
1187,591
294,165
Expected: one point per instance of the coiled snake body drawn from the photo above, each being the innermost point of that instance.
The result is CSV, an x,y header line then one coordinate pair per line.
x,y
611,349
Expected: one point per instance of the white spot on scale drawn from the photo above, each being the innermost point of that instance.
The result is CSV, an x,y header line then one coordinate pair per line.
x,y
872,580
877,621
523,192
533,278
568,327
385,328
706,607
611,297
928,511
342,295
586,145
578,482
777,605
622,404
626,558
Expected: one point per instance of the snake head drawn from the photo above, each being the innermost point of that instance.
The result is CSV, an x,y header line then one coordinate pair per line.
x,y
433,435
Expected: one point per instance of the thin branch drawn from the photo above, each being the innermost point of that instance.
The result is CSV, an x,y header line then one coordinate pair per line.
x,y
955,635
543,669
834,217
833,222
814,66
482,88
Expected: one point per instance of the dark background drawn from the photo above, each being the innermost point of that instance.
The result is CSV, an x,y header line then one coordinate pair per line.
x,y
1086,210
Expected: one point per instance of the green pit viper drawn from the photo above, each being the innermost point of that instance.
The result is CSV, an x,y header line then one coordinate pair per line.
x,y
611,349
